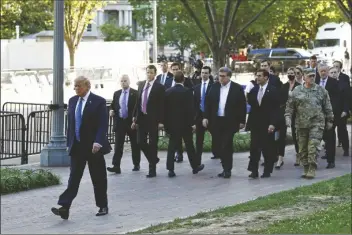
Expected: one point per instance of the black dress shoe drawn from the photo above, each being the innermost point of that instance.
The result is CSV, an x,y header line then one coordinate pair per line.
x,y
151,174
62,212
136,168
179,160
254,175
114,169
225,174
278,167
157,160
262,164
198,169
103,211
214,157
339,145
265,175
330,165
171,174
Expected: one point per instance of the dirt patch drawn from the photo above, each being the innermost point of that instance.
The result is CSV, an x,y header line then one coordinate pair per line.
x,y
241,222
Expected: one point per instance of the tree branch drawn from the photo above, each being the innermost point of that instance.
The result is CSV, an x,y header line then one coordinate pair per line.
x,y
226,21
195,18
344,9
254,18
215,16
234,13
211,23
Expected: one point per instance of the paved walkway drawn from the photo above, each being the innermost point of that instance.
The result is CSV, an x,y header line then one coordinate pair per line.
x,y
136,202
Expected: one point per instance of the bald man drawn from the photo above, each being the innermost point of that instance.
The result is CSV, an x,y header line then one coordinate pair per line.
x,y
121,109
86,142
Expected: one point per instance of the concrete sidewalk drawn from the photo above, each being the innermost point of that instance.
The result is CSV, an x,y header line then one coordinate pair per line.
x,y
136,202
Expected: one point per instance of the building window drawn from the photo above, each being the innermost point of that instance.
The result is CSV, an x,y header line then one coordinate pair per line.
x,y
89,28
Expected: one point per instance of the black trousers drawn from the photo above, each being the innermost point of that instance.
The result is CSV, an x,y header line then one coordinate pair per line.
x,y
175,140
200,132
123,127
262,142
222,140
342,133
281,142
147,139
329,138
80,155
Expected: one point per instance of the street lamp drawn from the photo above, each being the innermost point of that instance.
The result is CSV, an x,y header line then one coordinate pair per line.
x,y
55,154
155,33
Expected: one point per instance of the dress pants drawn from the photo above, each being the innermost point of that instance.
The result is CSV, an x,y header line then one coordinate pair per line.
x,y
175,141
80,155
123,127
342,133
222,136
262,142
147,138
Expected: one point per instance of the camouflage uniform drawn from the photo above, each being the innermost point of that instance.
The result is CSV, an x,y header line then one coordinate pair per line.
x,y
313,109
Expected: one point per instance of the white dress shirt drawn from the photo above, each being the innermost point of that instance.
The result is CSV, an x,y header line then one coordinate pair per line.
x,y
323,82
163,77
150,88
224,91
264,89
121,99
84,101
173,83
248,88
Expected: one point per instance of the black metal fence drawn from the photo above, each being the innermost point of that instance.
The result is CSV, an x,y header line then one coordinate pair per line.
x,y
26,129
12,139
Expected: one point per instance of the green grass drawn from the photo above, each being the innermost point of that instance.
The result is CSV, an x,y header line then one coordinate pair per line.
x,y
241,142
340,186
16,180
336,219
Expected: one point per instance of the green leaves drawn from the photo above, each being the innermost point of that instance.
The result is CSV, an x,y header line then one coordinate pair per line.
x,y
114,33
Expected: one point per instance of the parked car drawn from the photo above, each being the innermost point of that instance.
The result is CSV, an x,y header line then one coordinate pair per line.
x,y
282,58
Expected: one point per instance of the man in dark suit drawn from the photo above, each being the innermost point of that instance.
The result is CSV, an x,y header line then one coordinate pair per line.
x,y
122,110
165,77
273,79
224,115
200,93
264,118
332,86
344,85
149,116
87,142
313,64
179,121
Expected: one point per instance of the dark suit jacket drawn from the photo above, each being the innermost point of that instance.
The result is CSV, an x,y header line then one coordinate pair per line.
x,y
283,94
275,81
260,117
94,125
197,96
115,105
155,105
332,87
179,109
344,88
235,109
169,76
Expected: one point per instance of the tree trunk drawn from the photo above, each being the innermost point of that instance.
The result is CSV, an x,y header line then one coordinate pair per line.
x,y
71,51
218,59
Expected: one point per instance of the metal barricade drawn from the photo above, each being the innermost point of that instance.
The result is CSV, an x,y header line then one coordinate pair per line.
x,y
12,138
23,108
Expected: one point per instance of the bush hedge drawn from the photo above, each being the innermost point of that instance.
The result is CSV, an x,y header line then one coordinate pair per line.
x,y
241,142
16,180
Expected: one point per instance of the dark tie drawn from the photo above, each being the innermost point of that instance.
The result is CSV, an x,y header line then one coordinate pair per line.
x,y
124,105
145,99
78,118
202,101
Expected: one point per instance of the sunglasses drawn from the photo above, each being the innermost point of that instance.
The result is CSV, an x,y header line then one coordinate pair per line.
x,y
298,73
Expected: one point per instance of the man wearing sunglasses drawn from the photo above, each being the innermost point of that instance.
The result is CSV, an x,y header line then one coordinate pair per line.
x,y
311,105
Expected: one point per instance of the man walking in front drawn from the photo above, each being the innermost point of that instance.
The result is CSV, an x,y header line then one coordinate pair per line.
x,y
149,116
87,142
121,110
179,121
225,114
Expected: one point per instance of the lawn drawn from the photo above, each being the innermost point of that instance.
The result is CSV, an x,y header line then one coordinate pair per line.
x,y
322,206
16,180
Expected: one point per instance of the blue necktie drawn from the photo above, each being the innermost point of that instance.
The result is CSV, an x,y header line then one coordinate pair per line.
x,y
202,100
124,105
78,118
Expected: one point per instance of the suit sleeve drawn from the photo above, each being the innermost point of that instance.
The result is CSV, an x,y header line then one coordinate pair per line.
x,y
102,123
68,130
275,113
327,108
208,103
242,109
190,107
113,103
135,109
161,105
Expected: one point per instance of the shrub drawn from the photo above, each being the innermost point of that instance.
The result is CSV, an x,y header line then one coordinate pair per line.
x,y
16,180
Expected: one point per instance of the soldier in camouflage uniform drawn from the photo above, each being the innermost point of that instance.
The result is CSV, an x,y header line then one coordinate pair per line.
x,y
311,104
